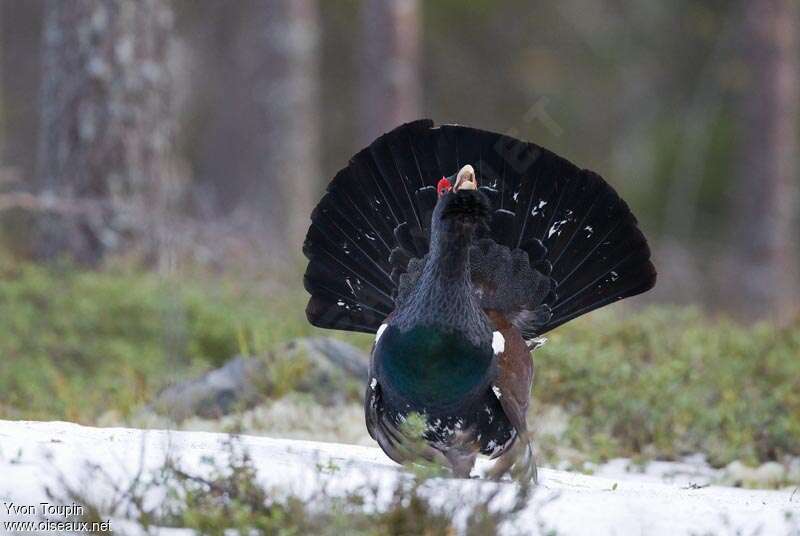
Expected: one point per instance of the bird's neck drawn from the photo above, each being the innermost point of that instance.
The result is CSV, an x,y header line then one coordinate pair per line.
x,y
448,261
444,296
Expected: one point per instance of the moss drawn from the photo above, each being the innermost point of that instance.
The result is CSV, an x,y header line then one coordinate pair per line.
x,y
414,426
75,344
668,382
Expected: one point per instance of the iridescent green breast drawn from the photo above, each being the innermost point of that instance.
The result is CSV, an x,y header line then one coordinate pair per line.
x,y
426,366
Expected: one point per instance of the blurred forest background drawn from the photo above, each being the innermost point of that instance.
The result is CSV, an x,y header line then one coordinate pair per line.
x,y
185,124
159,160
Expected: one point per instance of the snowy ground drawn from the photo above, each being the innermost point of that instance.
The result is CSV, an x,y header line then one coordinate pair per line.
x,y
665,499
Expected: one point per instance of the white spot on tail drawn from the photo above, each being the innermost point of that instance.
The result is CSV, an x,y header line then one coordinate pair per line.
x,y
380,332
556,228
537,209
497,392
535,343
498,342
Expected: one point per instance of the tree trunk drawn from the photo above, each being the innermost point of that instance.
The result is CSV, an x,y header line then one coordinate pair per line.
x,y
390,85
766,197
105,123
20,28
281,158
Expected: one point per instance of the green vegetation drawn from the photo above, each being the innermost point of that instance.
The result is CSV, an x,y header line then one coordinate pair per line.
x,y
657,384
75,344
670,381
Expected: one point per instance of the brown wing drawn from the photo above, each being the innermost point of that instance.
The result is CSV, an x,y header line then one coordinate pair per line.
x,y
512,386
514,371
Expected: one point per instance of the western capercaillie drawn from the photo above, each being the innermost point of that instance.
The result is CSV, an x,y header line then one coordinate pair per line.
x,y
458,248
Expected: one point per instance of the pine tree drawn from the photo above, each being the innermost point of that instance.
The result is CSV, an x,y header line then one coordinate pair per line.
x,y
766,200
390,85
105,123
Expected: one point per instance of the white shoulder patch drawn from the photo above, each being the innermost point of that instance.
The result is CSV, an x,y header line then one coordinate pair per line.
x,y
498,342
380,332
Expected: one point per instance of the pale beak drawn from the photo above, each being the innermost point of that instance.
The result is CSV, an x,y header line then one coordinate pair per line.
x,y
466,179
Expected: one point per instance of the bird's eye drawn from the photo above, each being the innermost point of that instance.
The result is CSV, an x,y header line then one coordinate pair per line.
x,y
443,187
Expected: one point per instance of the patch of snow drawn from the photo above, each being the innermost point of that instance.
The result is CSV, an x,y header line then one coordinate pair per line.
x,y
496,391
39,455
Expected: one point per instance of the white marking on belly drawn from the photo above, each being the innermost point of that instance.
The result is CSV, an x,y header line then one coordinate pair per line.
x,y
498,342
380,332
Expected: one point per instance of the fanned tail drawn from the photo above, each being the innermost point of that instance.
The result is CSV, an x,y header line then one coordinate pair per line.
x,y
375,218
356,225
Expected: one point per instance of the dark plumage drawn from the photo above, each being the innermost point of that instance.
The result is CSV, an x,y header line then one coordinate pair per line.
x,y
457,284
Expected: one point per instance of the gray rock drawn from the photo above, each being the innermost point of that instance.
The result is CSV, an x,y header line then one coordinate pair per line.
x,y
346,356
331,371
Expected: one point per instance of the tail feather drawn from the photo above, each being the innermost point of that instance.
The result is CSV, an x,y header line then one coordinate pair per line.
x,y
572,240
355,192
375,218
356,205
359,253
626,277
388,170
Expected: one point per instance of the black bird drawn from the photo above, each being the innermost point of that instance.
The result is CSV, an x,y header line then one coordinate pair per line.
x,y
459,248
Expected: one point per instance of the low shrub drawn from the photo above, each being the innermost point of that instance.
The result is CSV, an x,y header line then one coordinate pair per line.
x,y
74,344
669,381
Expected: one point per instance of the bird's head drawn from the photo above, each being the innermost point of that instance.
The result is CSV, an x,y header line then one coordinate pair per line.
x,y
461,204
